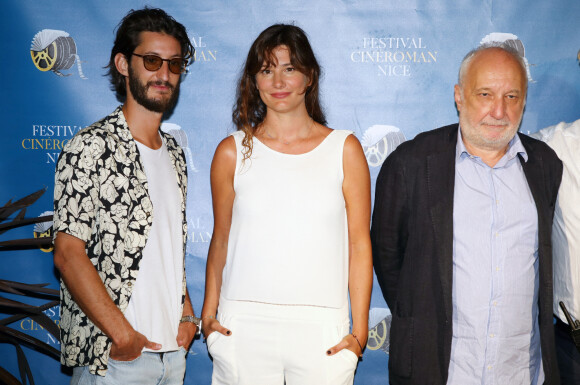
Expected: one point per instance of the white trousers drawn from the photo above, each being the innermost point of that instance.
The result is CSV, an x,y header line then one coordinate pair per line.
x,y
280,344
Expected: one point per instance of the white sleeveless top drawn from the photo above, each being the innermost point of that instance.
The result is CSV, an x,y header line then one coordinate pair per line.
x,y
288,242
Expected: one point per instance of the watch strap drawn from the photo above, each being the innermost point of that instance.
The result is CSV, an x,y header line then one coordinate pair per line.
x,y
194,320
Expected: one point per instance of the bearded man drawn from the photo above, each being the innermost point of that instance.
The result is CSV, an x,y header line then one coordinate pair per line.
x,y
119,220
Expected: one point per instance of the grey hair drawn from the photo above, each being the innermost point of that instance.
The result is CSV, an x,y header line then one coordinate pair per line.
x,y
504,46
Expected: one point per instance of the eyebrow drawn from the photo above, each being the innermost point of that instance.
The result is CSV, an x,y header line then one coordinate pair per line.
x,y
514,90
177,55
273,64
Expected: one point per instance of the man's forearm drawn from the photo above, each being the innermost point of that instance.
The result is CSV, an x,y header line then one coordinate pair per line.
x,y
87,289
187,306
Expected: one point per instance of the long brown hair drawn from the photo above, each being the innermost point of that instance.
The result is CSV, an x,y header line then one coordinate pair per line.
x,y
249,110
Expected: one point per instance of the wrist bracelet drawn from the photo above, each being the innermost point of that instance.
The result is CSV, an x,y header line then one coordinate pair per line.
x,y
208,316
359,345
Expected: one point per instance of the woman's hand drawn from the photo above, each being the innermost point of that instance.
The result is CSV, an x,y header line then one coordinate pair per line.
x,y
348,342
210,325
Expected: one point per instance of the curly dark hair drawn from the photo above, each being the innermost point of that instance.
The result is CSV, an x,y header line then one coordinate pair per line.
x,y
128,38
249,110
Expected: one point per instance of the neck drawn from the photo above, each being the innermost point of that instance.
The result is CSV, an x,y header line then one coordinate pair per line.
x,y
143,124
488,156
287,127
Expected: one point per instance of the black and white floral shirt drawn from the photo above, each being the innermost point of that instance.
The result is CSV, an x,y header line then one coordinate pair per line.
x,y
101,197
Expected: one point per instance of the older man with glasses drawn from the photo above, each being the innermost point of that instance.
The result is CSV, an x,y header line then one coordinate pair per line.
x,y
119,220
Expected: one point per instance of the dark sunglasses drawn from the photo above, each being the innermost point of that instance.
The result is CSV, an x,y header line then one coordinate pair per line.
x,y
177,65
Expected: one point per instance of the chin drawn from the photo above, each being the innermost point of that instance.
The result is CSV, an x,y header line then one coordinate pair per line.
x,y
497,144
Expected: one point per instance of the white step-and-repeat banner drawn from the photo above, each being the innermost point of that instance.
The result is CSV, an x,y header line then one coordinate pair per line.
x,y
388,73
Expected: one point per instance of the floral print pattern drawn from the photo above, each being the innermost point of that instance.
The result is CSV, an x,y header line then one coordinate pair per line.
x,y
101,197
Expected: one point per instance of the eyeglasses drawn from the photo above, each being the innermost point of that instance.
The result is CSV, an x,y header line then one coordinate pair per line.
x,y
177,65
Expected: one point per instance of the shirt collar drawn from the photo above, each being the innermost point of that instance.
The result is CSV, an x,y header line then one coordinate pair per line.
x,y
515,147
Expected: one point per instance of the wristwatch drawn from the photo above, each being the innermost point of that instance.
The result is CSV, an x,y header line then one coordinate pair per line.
x,y
194,320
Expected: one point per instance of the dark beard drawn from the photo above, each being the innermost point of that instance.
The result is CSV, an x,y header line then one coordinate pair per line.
x,y
139,92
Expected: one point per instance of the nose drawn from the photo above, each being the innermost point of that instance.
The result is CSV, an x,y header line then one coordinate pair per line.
x,y
498,108
277,80
163,72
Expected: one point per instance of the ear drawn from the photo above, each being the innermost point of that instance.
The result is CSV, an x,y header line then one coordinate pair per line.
x,y
309,79
122,64
458,100
308,83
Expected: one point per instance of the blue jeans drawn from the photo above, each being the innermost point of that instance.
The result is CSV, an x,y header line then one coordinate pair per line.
x,y
149,368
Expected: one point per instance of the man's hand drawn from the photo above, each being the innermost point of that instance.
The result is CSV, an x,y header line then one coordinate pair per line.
x,y
185,334
131,347
87,288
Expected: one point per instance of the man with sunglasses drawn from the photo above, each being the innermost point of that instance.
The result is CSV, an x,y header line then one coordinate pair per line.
x,y
119,220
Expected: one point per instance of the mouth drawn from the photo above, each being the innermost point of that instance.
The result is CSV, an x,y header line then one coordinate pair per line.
x,y
498,126
280,95
162,87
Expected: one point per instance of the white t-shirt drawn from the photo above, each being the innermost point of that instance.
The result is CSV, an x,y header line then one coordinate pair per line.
x,y
154,309
564,139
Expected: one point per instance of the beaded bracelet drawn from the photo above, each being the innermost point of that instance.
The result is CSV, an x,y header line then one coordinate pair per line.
x,y
359,345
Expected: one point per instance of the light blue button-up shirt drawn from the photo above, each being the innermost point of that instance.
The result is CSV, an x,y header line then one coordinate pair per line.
x,y
496,339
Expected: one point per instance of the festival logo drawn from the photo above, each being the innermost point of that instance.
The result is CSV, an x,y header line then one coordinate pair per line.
x,y
198,237
202,52
48,140
379,329
511,40
44,230
54,50
36,330
394,56
180,136
379,141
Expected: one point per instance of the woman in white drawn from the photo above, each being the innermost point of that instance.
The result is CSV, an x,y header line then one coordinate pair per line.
x,y
291,201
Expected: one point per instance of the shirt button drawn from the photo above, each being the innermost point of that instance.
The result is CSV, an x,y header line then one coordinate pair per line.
x,y
489,367
492,335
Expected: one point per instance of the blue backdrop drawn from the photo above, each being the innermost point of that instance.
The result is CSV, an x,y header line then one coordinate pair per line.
x,y
389,70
